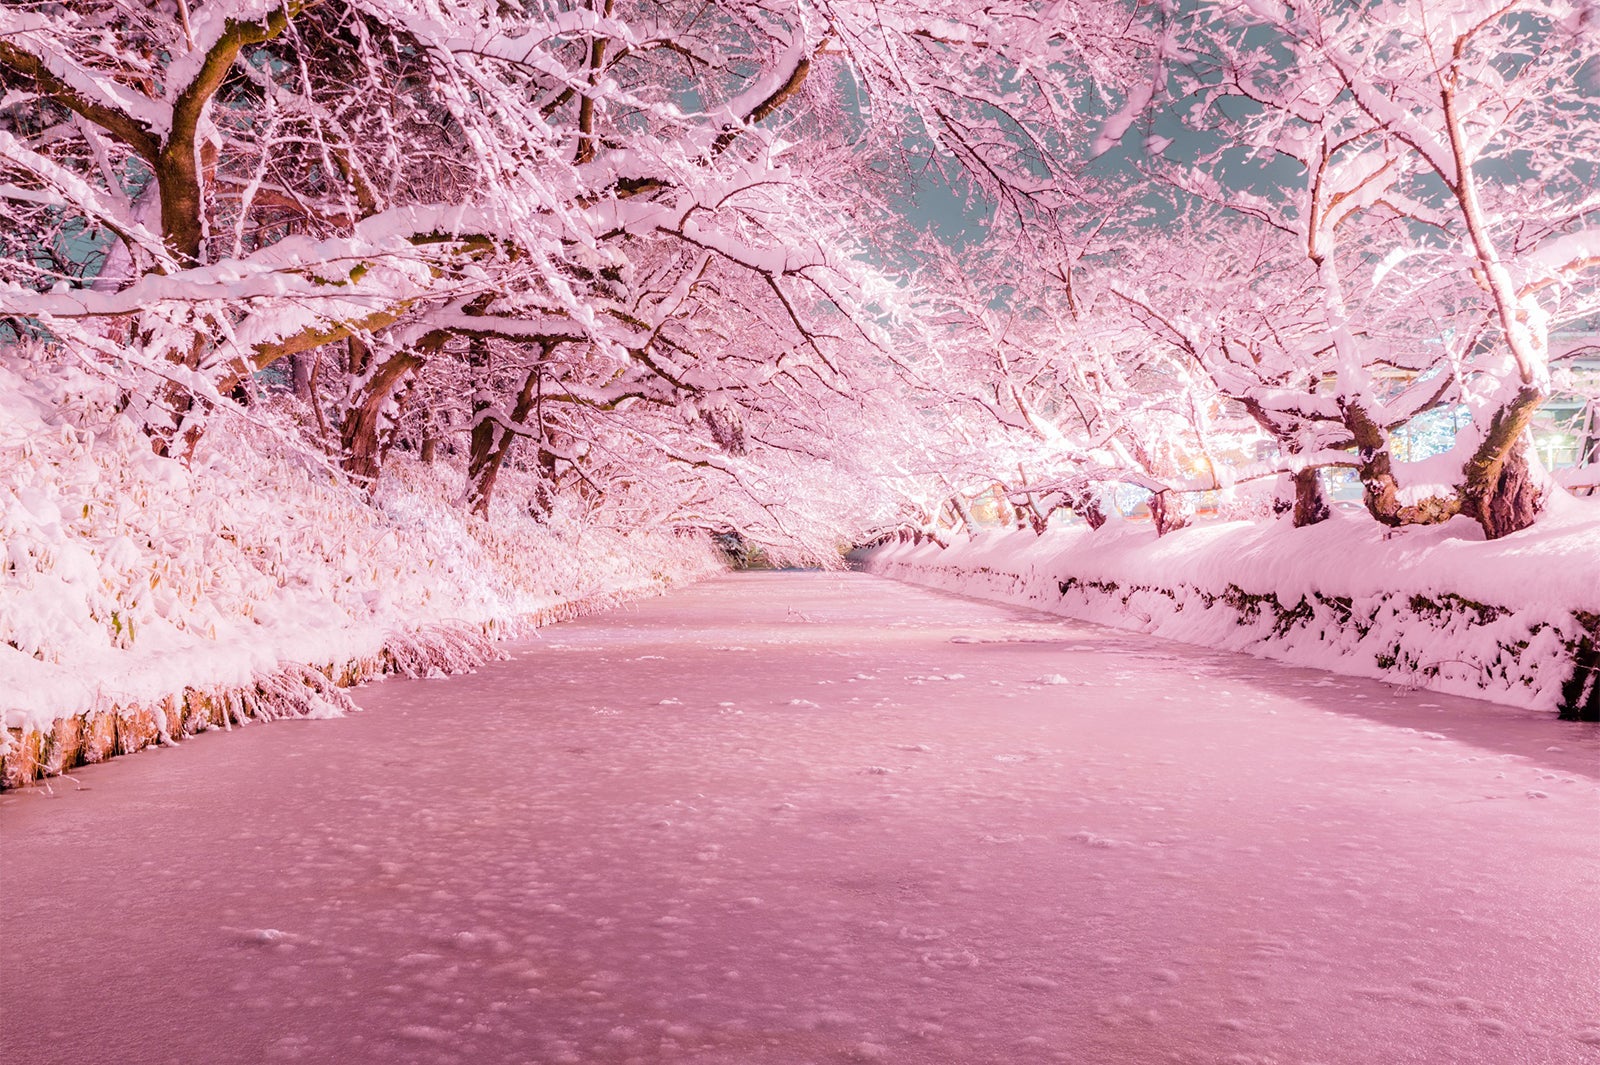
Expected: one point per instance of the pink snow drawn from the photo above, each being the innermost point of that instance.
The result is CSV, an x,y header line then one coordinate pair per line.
x,y
739,825
1533,577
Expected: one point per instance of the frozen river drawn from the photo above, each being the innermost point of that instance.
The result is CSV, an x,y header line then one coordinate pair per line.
x,y
794,818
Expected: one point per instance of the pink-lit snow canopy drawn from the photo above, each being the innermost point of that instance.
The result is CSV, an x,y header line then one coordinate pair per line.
x,y
659,260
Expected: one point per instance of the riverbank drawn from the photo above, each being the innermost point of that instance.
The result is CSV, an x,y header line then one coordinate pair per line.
x,y
146,598
1515,620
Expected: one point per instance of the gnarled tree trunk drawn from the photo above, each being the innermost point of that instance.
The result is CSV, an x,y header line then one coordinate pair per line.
x,y
1506,487
360,434
1380,490
1503,487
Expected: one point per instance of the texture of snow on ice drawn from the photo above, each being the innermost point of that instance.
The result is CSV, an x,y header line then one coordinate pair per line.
x,y
488,871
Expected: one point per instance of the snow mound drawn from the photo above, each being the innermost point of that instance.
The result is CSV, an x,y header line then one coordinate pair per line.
x,y
144,598
1515,620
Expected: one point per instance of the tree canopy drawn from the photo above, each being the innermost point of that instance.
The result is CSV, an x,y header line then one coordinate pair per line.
x,y
659,255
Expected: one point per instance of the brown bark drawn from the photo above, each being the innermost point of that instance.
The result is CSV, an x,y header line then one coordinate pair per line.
x,y
1379,489
1503,490
1500,490
1304,500
1510,501
483,469
1037,520
300,375
177,163
597,56
479,452
1029,516
1310,505
363,445
963,511
134,134
482,439
781,95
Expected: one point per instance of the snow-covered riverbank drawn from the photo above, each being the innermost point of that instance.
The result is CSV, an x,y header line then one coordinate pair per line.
x,y
144,598
1515,620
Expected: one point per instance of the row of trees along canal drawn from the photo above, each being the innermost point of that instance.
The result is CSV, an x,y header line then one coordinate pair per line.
x,y
665,255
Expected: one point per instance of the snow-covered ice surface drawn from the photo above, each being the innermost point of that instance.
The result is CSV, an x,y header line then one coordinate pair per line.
x,y
824,818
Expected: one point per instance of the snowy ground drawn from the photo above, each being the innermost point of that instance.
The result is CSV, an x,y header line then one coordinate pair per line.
x,y
1424,606
822,818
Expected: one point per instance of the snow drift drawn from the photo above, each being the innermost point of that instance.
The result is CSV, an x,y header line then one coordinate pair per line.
x,y
144,598
1514,620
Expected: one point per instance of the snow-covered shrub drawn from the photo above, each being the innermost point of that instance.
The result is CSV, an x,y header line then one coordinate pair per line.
x,y
165,596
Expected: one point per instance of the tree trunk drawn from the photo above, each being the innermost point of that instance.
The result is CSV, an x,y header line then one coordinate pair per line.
x,y
1168,512
544,489
495,443
389,428
1030,505
1086,506
478,459
1511,500
300,364
482,439
1506,487
1380,491
360,434
1301,497
958,503
1027,513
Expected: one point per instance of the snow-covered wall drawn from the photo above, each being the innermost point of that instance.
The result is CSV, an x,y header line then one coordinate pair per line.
x,y
142,598
1515,620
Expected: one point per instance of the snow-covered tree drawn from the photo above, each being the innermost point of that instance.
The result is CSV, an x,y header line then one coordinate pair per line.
x,y
1453,138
